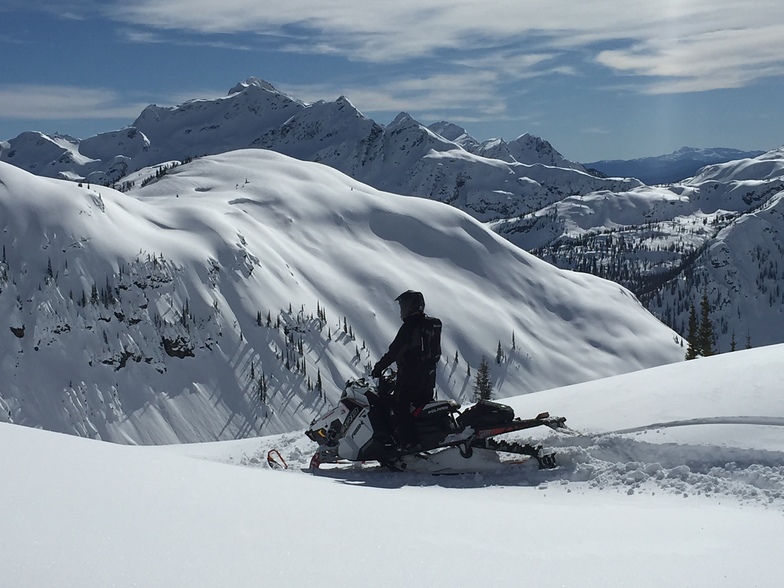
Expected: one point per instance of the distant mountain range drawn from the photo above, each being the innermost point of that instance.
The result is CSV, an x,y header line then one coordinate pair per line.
x,y
670,168
489,180
660,242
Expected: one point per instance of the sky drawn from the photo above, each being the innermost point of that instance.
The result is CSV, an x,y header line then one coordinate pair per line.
x,y
599,80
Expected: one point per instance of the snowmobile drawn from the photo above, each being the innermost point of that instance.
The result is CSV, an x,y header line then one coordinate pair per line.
x,y
359,429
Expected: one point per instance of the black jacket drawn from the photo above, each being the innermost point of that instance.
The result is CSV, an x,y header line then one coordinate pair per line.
x,y
416,375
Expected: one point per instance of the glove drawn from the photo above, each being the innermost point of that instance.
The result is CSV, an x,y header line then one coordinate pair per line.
x,y
377,371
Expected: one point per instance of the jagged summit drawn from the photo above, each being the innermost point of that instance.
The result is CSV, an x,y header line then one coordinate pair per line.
x,y
455,133
402,118
253,82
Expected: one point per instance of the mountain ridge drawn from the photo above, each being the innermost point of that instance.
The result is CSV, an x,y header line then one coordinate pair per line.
x,y
671,167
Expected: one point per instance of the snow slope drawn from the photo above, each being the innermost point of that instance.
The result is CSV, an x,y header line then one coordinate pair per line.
x,y
717,233
142,317
694,505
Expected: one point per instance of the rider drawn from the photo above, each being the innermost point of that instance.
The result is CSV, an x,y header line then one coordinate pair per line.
x,y
416,350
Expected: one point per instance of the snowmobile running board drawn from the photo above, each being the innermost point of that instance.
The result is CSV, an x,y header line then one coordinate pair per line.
x,y
517,424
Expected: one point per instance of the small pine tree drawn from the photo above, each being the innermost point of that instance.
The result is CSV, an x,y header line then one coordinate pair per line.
x,y
483,387
692,351
499,354
705,334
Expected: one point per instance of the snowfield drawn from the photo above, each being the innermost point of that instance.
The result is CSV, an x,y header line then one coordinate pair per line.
x,y
673,476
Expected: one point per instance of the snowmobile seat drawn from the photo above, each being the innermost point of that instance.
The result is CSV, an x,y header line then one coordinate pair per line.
x,y
433,420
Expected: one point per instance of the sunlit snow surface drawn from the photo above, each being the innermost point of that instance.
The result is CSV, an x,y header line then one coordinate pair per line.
x,y
671,504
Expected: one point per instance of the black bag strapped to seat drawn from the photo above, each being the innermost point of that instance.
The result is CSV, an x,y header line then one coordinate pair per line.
x,y
486,414
430,339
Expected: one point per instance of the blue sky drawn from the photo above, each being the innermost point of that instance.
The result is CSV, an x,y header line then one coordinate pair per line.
x,y
599,80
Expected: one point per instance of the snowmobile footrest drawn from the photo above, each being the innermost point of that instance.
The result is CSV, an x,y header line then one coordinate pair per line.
x,y
546,461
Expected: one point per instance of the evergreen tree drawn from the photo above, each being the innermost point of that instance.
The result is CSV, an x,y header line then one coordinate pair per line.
x,y
705,334
499,354
692,351
483,387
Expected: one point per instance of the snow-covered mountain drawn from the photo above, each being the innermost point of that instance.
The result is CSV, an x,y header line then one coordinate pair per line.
x,y
526,148
211,302
620,229
672,167
677,479
718,233
497,180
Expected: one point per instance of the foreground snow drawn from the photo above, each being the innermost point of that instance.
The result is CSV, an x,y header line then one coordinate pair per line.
x,y
664,505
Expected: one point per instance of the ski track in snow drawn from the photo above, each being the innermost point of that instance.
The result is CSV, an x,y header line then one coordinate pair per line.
x,y
740,420
611,461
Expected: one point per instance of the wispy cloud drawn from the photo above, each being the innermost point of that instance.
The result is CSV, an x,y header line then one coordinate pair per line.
x,y
52,102
676,45
448,94
708,61
153,37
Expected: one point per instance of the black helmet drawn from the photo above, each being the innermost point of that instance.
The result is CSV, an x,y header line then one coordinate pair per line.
x,y
411,302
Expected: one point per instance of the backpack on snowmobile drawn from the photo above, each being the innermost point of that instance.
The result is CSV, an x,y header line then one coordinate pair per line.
x,y
486,414
430,339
